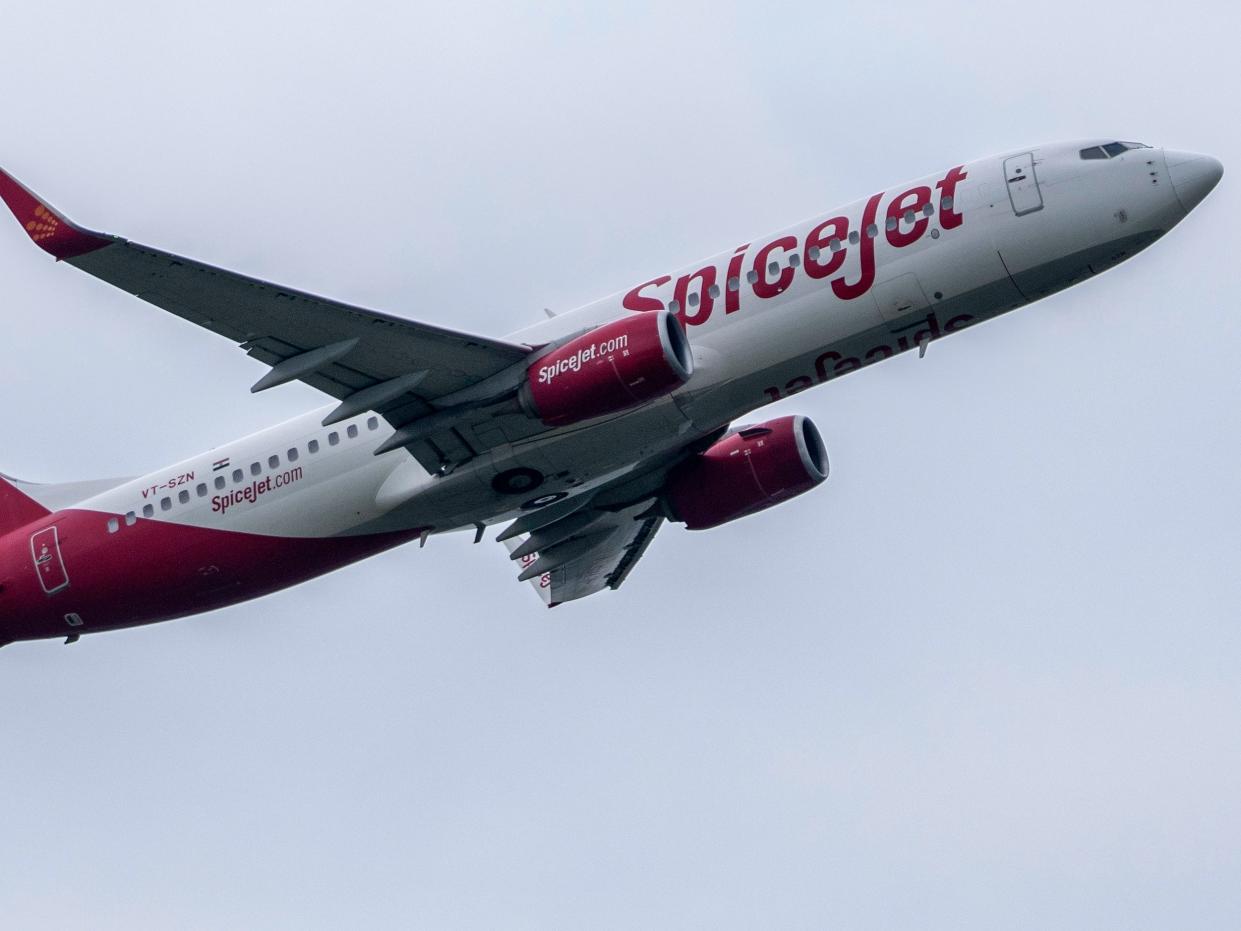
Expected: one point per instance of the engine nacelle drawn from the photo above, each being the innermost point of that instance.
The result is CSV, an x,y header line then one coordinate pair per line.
x,y
612,368
746,472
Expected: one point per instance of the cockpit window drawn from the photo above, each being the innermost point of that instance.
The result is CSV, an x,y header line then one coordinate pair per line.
x,y
1111,150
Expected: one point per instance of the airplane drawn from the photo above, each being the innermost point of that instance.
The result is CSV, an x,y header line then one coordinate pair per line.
x,y
584,433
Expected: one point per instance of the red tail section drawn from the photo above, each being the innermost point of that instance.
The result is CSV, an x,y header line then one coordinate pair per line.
x,y
17,509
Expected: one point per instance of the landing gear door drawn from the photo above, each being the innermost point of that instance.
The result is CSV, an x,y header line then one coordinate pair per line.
x,y
48,564
1022,183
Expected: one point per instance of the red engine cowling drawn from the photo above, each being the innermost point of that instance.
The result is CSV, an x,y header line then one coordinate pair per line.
x,y
746,472
613,367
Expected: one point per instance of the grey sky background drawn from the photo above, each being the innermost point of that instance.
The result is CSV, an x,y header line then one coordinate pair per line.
x,y
989,675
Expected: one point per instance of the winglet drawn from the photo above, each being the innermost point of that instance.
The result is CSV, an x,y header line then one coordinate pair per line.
x,y
50,231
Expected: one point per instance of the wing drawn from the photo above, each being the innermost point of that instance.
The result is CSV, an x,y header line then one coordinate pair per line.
x,y
366,359
583,552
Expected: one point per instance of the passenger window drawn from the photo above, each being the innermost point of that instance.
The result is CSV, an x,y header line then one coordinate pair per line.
x,y
130,518
872,231
794,260
238,475
692,300
854,238
184,497
1093,152
333,438
255,468
219,482
947,202
113,525
751,276
927,210
734,283
372,423
313,446
353,431
773,268
293,454
202,489
909,216
148,510
714,291
273,462
835,244
165,504
890,223
814,252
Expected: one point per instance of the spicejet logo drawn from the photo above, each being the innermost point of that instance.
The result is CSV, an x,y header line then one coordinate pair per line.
x,y
821,254
574,363
255,490
43,226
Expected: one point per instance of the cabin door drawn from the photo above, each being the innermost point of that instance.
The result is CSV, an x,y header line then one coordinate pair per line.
x,y
1023,192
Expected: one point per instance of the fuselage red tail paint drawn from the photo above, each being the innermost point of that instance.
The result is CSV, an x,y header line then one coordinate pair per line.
x,y
17,509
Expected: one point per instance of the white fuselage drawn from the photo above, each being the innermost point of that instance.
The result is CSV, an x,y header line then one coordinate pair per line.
x,y
1001,239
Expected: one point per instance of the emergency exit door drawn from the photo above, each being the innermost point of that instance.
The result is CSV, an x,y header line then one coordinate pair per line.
x,y
1022,183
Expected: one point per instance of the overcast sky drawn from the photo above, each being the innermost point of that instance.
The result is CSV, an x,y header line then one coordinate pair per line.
x,y
989,675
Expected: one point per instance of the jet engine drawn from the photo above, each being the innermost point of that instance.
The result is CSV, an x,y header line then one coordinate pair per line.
x,y
747,471
609,369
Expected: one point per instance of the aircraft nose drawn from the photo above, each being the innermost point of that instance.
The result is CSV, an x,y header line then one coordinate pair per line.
x,y
1193,176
